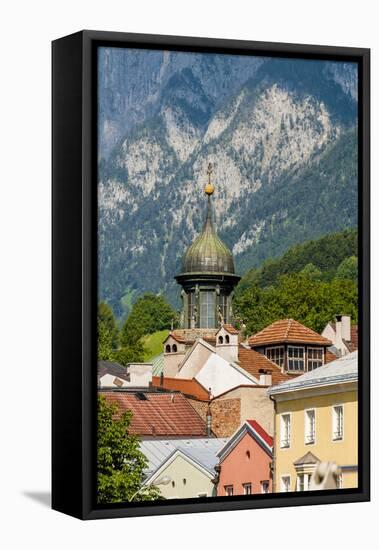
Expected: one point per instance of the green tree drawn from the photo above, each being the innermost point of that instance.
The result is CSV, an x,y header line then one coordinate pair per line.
x,y
149,314
107,332
120,462
296,296
311,272
348,269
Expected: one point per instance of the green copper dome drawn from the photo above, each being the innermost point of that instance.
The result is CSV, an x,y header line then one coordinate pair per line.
x,y
208,254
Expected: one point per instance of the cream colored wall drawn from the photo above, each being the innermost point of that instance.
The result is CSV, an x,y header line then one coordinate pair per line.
x,y
194,362
171,362
255,405
344,452
196,481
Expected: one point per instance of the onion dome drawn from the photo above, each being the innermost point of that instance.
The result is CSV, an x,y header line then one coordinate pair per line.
x,y
208,254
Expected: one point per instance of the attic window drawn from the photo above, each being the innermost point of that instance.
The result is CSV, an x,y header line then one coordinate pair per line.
x,y
227,339
174,348
168,348
247,455
220,340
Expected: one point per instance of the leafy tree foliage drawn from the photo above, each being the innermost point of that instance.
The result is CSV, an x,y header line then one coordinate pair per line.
x,y
325,254
108,340
120,462
311,272
348,269
309,301
149,314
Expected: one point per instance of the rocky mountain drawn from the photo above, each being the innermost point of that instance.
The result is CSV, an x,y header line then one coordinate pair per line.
x,y
280,133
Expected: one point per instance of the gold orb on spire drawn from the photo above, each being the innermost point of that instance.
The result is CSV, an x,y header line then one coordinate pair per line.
x,y
209,188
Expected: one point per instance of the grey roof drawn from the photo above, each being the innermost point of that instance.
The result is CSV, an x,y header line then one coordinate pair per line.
x,y
208,254
203,451
113,368
343,369
158,364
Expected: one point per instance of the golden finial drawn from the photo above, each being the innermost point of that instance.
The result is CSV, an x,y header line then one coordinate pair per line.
x,y
209,188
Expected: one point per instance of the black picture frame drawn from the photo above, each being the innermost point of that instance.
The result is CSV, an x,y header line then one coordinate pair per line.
x,y
74,297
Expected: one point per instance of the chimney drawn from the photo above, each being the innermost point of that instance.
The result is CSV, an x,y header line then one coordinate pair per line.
x,y
346,327
338,342
265,377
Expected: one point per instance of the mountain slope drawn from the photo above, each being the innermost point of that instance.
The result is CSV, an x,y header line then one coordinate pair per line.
x,y
284,148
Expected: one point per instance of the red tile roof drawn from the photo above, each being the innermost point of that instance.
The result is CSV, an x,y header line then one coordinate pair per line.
x,y
252,361
188,387
230,329
261,432
160,415
287,331
189,336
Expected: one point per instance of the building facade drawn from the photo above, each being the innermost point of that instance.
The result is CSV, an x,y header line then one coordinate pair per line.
x,y
245,462
316,420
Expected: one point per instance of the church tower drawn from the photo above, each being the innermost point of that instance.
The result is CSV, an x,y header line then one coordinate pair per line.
x,y
207,276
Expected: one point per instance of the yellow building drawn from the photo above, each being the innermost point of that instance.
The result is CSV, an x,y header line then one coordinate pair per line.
x,y
316,420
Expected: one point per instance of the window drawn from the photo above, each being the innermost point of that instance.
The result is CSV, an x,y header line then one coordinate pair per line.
x,y
191,307
285,431
315,358
265,485
222,307
168,348
247,455
220,340
276,355
174,348
310,426
228,490
207,309
285,484
227,339
303,482
337,422
247,488
295,358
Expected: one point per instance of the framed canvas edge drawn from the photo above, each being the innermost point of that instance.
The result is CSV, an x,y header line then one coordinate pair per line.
x,y
85,508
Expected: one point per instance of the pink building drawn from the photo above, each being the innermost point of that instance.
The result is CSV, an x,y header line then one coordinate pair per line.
x,y
245,460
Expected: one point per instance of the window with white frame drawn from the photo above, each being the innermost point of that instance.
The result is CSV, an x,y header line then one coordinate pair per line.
x,y
310,426
285,484
315,358
247,490
276,355
285,430
303,482
228,490
337,422
295,358
265,485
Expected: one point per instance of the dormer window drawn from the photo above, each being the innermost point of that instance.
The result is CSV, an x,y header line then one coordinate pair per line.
x,y
220,340
227,339
174,348
276,355
296,358
168,348
315,358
